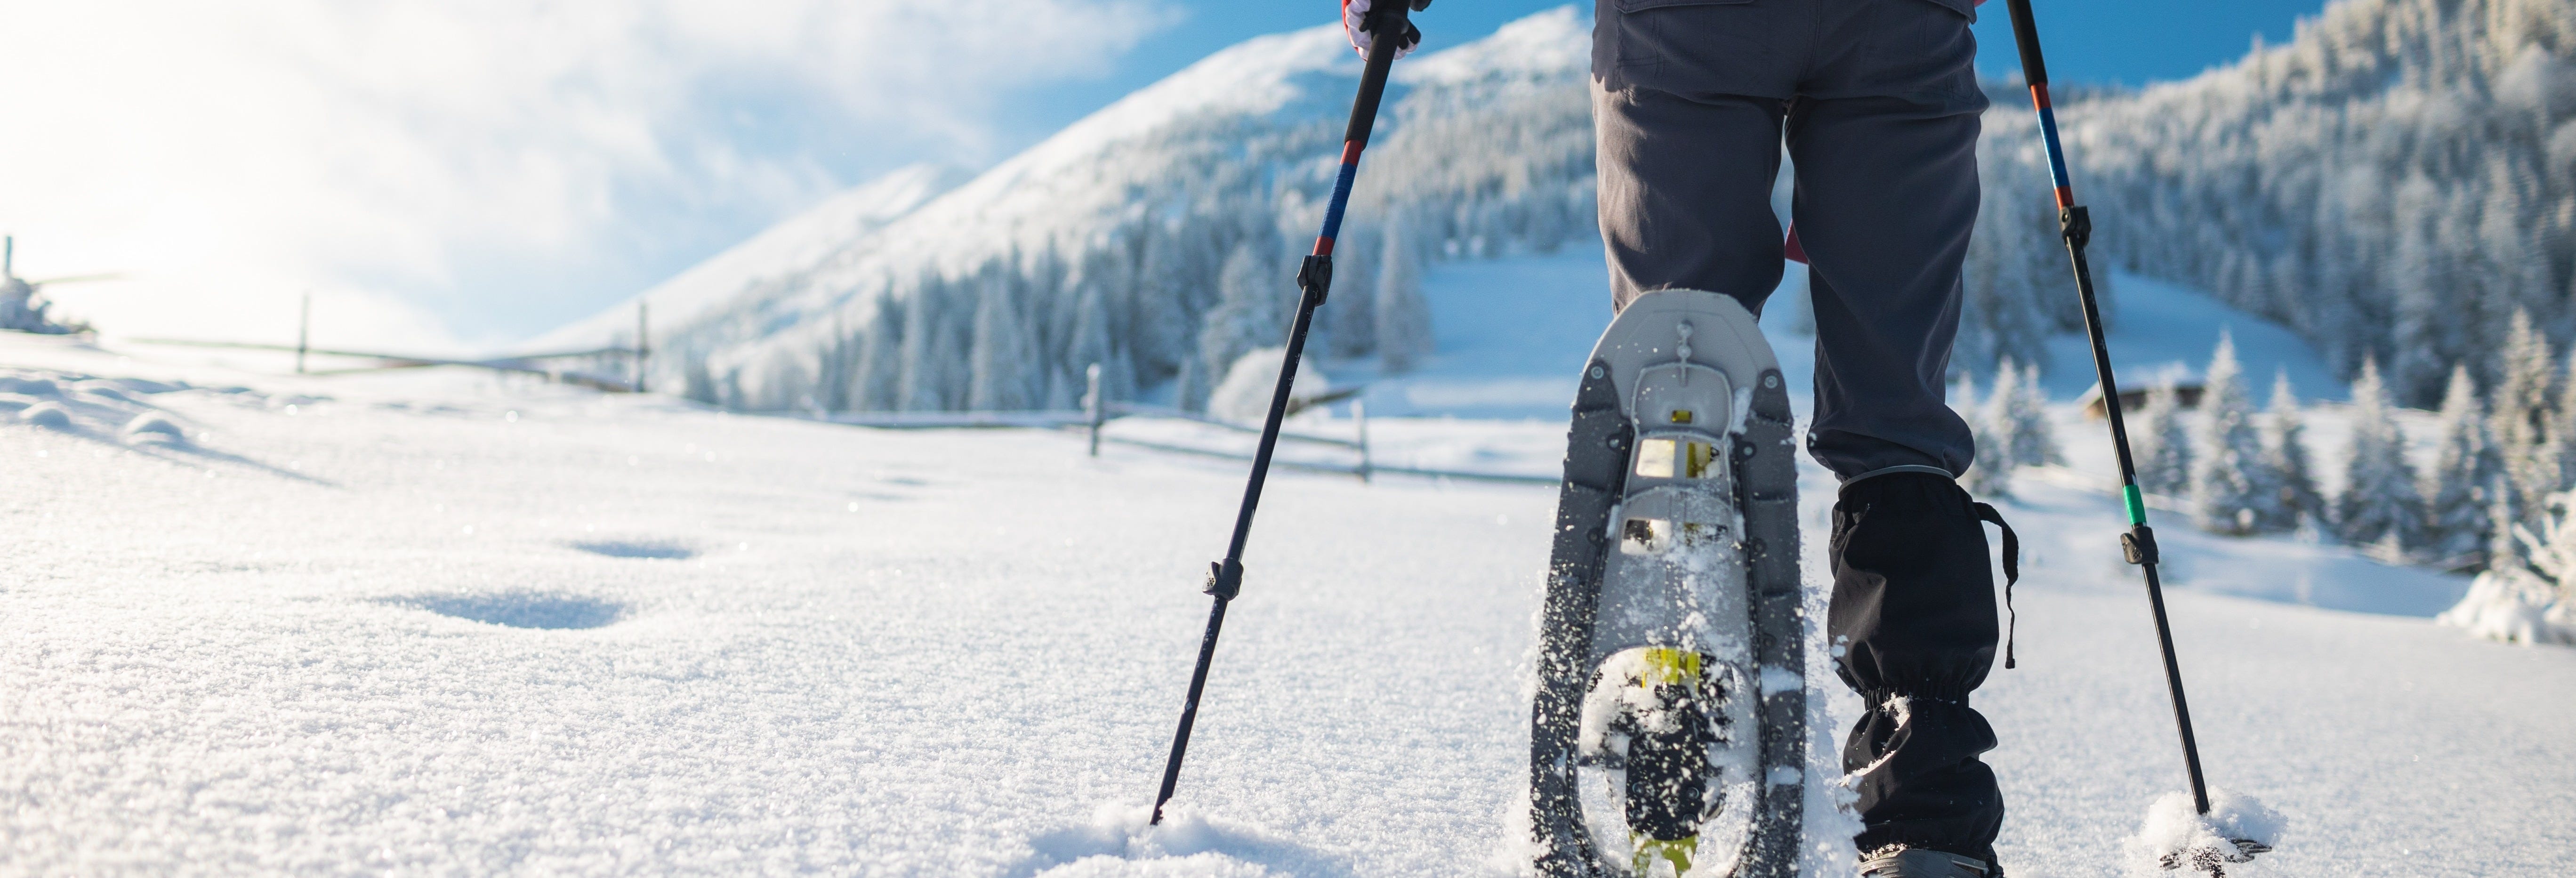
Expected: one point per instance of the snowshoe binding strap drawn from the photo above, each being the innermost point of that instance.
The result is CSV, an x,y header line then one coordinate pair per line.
x,y
2012,573
1905,862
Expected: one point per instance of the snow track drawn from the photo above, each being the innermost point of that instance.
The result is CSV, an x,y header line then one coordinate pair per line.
x,y
477,630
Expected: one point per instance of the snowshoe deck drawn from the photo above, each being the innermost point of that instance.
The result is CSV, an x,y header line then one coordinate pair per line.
x,y
1676,534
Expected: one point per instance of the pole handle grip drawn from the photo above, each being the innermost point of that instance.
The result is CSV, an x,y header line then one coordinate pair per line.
x,y
2034,69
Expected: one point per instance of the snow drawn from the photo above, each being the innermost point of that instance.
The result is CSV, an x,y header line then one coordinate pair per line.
x,y
1244,396
2177,833
2514,607
437,623
1541,44
2160,329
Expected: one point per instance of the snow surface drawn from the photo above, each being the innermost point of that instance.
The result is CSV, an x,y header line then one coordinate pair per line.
x,y
2176,832
437,624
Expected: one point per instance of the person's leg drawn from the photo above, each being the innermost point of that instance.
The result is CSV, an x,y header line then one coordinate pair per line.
x,y
1885,142
1886,196
1685,186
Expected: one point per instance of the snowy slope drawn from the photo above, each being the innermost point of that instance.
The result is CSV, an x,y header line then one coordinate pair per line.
x,y
1074,184
1106,242
1513,332
767,262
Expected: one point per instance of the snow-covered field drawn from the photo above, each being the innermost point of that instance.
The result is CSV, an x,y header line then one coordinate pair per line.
x,y
437,624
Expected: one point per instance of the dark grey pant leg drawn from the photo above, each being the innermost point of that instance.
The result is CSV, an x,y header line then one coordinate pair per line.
x,y
1885,142
1886,196
1686,192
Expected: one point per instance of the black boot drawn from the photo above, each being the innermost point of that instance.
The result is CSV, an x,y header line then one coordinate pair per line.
x,y
1913,631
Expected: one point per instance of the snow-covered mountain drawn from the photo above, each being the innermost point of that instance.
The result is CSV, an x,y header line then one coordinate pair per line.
x,y
1156,236
759,268
2396,180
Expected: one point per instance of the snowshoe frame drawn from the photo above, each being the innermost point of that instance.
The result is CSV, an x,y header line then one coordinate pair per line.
x,y
1598,464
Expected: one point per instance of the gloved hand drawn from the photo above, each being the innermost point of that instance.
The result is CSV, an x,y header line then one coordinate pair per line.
x,y
1354,25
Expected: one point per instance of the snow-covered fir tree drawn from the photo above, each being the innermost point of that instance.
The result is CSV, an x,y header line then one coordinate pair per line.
x,y
2016,411
1254,312
2561,446
877,379
2379,505
1094,341
2519,416
2285,458
2523,596
2162,445
2231,489
2465,464
1403,319
1990,474
998,375
697,383
934,361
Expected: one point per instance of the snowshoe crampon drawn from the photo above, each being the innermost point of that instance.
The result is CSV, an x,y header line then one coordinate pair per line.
x,y
2213,861
1668,732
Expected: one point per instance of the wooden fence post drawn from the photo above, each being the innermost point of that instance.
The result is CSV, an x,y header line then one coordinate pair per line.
x,y
1359,413
1093,405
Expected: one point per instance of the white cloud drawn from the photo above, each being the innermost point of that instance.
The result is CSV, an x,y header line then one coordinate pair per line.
x,y
437,169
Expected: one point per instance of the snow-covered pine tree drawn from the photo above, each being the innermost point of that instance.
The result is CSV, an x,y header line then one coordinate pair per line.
x,y
2163,445
2010,266
2379,505
2231,493
877,384
1348,330
929,360
999,373
1189,388
1253,314
2454,489
2561,446
1990,474
2523,595
1160,302
1093,342
697,384
2504,544
1402,318
2020,415
2518,417
2285,457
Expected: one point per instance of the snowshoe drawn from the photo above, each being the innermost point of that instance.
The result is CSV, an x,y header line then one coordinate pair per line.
x,y
2213,861
1668,732
1921,863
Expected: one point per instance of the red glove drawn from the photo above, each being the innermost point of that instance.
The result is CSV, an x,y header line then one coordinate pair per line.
x,y
1354,18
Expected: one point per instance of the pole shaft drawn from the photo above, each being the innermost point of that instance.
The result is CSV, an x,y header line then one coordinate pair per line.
x,y
1315,280
2075,225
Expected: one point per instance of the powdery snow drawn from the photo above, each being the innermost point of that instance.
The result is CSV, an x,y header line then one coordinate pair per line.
x,y
439,624
2177,834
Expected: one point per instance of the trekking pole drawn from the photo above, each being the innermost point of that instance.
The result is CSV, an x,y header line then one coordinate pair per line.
x,y
1388,30
2076,226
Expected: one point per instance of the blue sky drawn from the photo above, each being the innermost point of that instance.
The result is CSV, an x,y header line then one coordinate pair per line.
x,y
448,175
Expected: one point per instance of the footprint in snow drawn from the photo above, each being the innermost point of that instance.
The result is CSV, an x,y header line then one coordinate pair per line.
x,y
658,550
539,610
